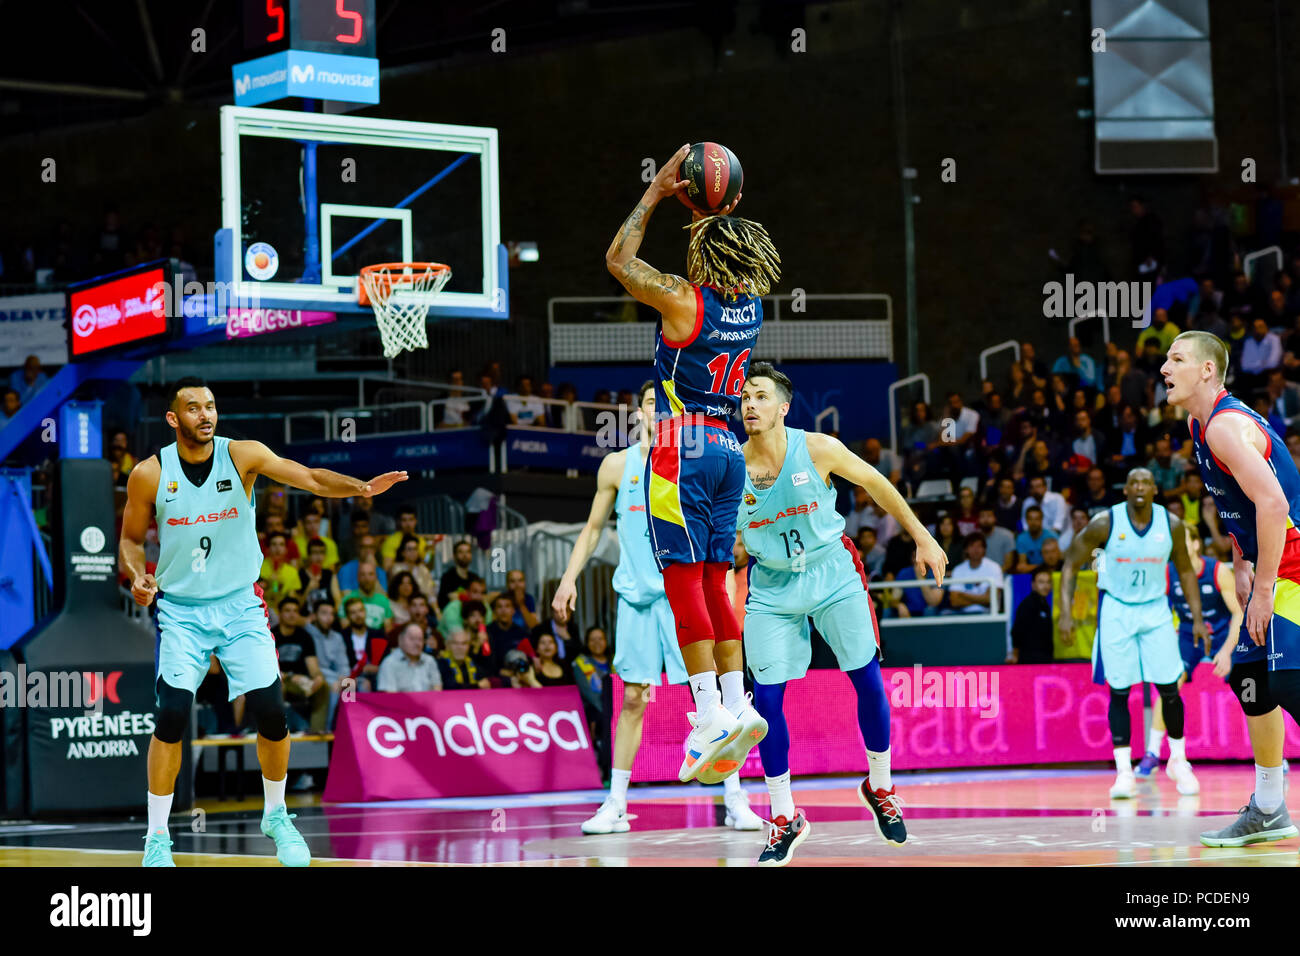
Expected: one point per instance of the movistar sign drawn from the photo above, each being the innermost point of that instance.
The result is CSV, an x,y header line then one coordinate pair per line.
x,y
323,76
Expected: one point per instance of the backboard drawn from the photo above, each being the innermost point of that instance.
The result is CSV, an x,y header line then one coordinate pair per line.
x,y
307,199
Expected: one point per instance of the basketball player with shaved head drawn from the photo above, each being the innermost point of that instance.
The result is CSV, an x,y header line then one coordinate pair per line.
x,y
200,487
802,564
709,323
1256,487
1133,543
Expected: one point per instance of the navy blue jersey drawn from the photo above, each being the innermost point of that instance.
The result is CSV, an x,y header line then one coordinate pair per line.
x,y
1236,510
703,374
1213,609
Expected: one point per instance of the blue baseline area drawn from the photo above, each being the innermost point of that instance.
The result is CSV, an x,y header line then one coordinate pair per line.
x,y
860,390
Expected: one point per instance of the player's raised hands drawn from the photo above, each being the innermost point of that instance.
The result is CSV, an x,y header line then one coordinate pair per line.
x,y
665,183
143,589
696,215
377,486
566,598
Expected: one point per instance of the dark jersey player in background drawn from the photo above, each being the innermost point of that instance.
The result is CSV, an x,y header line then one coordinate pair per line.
x,y
695,475
1256,488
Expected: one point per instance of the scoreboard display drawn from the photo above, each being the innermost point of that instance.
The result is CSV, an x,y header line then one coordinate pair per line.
x,y
345,27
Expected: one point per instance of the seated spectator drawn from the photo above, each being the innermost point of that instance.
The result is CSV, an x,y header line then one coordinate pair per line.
x,y
916,602
877,517
377,523
1006,507
367,553
1161,330
334,656
278,578
1053,556
999,543
1042,465
9,405
1132,382
975,597
550,670
920,438
861,511
359,527
883,460
1097,496
317,582
456,409
366,645
1029,543
119,453
525,607
1031,627
1055,511
1284,399
273,523
517,670
311,530
1078,364
408,559
1260,354
1126,447
591,670
401,589
411,670
28,380
459,670
1241,298
1167,469
379,610
870,551
1035,369
900,552
420,611
452,617
300,670
1078,521
458,576
406,525
475,619
566,636
503,634
967,518
960,452
945,532
524,407
1087,445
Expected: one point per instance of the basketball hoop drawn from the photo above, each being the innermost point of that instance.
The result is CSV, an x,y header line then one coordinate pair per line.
x,y
401,294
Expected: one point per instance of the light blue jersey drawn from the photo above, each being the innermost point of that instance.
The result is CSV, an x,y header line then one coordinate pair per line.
x,y
793,522
1132,569
207,535
637,578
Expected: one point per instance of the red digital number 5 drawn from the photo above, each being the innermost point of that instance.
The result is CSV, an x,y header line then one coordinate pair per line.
x,y
734,376
345,14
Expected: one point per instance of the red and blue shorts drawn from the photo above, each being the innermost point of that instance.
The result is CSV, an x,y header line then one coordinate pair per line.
x,y
694,479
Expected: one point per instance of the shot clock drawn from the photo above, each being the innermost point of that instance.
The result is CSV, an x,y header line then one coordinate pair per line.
x,y
343,27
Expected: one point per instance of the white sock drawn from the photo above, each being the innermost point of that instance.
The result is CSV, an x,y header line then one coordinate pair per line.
x,y
1178,748
733,691
704,688
274,793
618,781
731,786
1154,739
778,789
160,808
1124,759
879,777
1268,788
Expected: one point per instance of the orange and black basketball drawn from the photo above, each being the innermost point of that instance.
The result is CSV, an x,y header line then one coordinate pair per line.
x,y
714,174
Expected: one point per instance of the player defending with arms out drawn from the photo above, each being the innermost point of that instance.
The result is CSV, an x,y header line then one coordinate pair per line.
x,y
1136,642
645,639
1256,488
201,488
695,475
801,564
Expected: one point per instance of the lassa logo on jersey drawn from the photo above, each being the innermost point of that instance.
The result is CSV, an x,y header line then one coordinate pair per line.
x,y
204,519
787,513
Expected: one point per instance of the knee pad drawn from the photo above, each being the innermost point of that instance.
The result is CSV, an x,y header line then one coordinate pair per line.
x,y
1172,703
1121,724
266,704
684,588
726,626
174,708
1250,684
1284,690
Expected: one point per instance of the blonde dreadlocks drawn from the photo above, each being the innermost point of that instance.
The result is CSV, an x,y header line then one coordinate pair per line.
x,y
734,255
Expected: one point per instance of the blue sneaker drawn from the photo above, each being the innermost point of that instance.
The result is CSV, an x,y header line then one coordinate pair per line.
x,y
290,847
1148,765
157,850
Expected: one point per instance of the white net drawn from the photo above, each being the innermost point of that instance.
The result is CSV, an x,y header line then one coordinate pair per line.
x,y
401,294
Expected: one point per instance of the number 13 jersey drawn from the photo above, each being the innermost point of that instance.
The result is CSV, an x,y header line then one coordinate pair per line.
x,y
794,522
207,535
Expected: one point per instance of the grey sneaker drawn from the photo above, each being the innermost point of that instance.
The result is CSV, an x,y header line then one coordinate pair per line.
x,y
1253,826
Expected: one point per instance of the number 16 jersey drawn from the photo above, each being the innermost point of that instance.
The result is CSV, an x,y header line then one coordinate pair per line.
x,y
703,374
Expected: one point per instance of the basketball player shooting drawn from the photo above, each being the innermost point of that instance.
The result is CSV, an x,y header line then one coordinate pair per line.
x,y
201,489
1246,467
708,326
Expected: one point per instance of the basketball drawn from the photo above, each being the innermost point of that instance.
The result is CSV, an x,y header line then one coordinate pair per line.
x,y
715,177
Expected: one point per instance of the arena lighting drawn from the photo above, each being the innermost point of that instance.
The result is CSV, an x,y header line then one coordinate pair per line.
x,y
523,251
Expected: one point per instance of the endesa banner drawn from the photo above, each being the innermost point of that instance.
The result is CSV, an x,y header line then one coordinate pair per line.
x,y
242,323
460,744
127,309
956,717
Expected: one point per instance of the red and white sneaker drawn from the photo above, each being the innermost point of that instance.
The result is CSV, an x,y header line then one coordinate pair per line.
x,y
886,812
783,836
709,734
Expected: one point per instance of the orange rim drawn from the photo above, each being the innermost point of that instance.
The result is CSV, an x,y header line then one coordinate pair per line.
x,y
396,275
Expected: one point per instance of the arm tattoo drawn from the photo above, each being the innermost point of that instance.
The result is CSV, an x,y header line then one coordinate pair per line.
x,y
635,223
638,277
764,482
